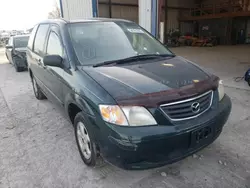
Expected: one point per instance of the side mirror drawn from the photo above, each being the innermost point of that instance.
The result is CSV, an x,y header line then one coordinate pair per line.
x,y
53,60
8,46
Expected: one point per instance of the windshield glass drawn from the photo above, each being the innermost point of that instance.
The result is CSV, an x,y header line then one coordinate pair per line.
x,y
107,41
21,42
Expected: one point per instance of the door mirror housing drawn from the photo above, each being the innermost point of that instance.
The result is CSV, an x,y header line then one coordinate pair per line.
x,y
8,46
53,60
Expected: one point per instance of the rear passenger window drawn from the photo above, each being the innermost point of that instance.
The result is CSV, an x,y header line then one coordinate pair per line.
x,y
40,38
54,45
32,36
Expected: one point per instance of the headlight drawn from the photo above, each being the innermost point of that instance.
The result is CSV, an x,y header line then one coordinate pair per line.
x,y
221,90
138,116
113,114
126,116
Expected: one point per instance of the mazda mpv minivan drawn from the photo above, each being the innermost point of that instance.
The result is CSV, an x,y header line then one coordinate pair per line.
x,y
131,100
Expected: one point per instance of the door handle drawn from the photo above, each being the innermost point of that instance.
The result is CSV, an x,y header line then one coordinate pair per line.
x,y
39,62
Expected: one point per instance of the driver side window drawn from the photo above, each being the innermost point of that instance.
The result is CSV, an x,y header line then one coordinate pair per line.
x,y
54,46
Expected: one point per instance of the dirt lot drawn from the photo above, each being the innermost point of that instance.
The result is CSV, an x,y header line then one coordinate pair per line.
x,y
37,146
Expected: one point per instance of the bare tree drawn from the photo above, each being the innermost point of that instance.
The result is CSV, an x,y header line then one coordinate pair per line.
x,y
55,13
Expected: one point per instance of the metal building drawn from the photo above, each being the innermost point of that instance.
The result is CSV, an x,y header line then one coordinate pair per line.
x,y
143,12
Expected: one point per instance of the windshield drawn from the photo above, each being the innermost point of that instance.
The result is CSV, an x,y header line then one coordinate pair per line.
x,y
21,42
108,41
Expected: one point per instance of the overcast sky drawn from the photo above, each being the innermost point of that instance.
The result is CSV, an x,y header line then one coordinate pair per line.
x,y
23,14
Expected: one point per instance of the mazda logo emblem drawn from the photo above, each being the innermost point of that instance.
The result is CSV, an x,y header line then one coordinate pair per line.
x,y
195,107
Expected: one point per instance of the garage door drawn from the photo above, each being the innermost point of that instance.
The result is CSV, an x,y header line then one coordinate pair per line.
x,y
123,9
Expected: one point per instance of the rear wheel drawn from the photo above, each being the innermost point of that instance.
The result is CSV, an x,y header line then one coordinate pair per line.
x,y
18,69
37,91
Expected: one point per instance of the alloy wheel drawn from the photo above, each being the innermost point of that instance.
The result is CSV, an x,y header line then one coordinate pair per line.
x,y
84,140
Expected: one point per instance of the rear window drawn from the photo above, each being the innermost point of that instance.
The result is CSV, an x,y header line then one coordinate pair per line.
x,y
21,42
40,38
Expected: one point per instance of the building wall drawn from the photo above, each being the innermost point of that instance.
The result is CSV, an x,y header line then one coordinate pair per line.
x,y
125,12
248,32
173,19
77,9
120,9
174,14
142,11
181,3
145,14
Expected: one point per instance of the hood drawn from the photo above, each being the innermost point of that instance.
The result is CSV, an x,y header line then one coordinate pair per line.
x,y
148,80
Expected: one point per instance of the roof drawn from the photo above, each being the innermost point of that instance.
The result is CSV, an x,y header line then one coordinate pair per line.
x,y
20,36
64,21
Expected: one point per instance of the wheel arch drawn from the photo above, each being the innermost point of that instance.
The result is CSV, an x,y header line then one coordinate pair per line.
x,y
76,104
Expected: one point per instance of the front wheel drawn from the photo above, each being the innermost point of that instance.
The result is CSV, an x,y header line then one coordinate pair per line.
x,y
84,141
37,91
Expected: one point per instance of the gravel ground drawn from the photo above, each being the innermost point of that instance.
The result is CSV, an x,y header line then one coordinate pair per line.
x,y
37,145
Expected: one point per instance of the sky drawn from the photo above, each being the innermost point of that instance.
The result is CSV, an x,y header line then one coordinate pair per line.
x,y
23,14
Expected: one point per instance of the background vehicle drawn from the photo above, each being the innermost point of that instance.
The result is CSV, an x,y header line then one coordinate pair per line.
x,y
130,100
16,51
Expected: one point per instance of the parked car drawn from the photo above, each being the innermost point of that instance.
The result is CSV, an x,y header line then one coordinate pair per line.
x,y
130,99
16,51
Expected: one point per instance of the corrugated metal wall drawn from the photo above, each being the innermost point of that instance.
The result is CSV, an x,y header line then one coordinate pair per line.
x,y
248,28
125,12
248,32
181,3
77,9
145,14
122,11
186,27
173,19
103,11
173,15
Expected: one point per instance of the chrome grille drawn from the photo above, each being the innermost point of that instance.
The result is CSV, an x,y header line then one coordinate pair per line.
x,y
188,109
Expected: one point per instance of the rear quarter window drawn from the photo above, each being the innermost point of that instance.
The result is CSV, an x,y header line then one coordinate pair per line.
x,y
40,38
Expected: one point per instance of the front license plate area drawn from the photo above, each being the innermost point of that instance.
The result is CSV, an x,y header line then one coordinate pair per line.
x,y
201,136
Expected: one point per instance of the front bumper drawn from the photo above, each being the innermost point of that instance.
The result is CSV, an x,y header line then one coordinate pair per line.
x,y
154,146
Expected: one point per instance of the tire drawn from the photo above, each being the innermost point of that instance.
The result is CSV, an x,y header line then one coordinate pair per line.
x,y
37,91
18,69
84,140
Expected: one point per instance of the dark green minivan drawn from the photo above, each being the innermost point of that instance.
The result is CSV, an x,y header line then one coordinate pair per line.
x,y
131,100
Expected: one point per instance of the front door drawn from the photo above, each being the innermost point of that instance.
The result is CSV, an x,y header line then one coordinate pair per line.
x,y
54,75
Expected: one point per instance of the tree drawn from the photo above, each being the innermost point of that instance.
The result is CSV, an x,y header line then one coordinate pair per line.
x,y
55,13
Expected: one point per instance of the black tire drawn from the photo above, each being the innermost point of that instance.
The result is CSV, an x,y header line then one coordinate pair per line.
x,y
18,69
37,91
92,160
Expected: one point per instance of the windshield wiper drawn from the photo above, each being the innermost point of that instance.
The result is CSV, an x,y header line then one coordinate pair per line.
x,y
134,58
